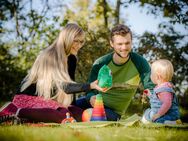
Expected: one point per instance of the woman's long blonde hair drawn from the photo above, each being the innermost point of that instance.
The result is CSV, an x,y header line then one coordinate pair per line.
x,y
50,67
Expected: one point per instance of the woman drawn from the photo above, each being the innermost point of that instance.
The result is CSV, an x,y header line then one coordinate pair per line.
x,y
46,92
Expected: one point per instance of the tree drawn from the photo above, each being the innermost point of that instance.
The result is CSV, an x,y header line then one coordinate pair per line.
x,y
21,42
117,12
168,43
33,29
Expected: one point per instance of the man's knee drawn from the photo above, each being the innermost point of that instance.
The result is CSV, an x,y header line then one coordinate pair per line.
x,y
82,103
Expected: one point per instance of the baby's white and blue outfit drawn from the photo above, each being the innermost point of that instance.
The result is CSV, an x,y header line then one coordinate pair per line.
x,y
171,115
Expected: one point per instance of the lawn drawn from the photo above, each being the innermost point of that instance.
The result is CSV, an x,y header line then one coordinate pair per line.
x,y
112,133
90,132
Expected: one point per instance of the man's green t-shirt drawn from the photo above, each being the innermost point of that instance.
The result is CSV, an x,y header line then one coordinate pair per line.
x,y
126,79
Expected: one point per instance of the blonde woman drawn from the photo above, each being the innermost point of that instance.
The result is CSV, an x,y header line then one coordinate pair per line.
x,y
47,90
163,101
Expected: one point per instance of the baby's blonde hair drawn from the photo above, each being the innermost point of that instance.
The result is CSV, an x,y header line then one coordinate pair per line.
x,y
164,68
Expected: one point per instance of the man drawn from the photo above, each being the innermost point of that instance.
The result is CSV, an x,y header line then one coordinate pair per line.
x,y
128,70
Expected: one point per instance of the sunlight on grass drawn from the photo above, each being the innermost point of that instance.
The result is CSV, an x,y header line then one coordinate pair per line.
x,y
26,133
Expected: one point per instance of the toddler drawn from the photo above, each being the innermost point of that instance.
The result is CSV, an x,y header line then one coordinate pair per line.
x,y
163,101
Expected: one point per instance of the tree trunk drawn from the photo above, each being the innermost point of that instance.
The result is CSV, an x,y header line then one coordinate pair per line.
x,y
117,12
105,10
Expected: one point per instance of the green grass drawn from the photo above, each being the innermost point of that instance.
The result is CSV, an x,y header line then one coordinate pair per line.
x,y
29,133
114,133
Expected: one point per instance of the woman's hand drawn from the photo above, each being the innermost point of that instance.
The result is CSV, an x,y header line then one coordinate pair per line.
x,y
94,85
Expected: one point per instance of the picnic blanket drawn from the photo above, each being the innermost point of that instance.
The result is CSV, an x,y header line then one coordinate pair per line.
x,y
132,121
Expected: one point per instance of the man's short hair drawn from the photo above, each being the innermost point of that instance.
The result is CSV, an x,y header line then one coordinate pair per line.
x,y
120,29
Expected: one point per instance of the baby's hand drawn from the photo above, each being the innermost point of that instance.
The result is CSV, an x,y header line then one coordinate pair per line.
x,y
156,116
146,92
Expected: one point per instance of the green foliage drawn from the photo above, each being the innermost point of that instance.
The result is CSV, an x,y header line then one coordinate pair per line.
x,y
175,10
9,73
167,42
94,47
171,45
19,46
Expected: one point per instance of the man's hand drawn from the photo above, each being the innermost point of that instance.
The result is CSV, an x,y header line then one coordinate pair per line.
x,y
92,100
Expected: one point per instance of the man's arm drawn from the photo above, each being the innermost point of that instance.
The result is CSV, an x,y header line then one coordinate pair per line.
x,y
104,60
144,70
145,76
